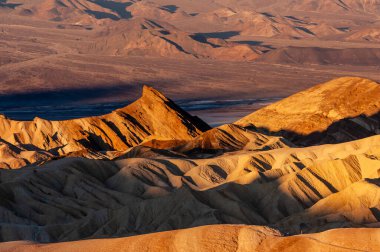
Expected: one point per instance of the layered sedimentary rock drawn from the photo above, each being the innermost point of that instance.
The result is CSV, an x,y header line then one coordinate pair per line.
x,y
219,238
158,38
175,176
149,190
153,116
225,138
12,156
340,110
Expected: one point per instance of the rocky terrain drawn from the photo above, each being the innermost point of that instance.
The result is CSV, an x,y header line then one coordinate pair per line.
x,y
153,116
341,110
88,163
194,176
220,238
149,190
108,49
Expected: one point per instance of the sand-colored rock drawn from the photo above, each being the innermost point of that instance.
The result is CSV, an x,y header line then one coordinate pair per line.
x,y
153,116
149,190
13,157
150,167
222,139
164,173
358,203
258,24
365,34
142,36
73,11
218,238
323,56
327,6
339,110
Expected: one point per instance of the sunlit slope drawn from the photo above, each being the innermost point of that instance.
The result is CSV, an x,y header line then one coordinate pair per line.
x,y
150,190
219,238
153,116
340,110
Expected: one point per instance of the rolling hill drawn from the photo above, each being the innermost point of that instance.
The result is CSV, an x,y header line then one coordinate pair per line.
x,y
184,179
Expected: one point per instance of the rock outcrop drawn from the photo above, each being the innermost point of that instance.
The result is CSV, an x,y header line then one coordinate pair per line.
x,y
150,167
148,190
340,110
142,36
153,116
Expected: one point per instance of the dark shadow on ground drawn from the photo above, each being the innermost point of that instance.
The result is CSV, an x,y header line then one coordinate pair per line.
x,y
3,3
202,39
169,8
221,35
229,203
119,8
345,130
102,15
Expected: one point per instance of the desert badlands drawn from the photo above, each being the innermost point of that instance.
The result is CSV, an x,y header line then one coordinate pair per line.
x,y
271,141
164,180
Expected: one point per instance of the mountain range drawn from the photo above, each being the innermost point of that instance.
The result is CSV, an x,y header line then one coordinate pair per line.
x,y
291,161
91,45
171,171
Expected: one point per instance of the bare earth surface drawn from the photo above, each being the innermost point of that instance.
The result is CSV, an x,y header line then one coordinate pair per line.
x,y
220,238
209,50
117,175
91,164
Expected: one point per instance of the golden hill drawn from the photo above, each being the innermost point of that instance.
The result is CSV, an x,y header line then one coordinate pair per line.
x,y
218,238
222,139
167,174
343,109
151,177
149,190
151,116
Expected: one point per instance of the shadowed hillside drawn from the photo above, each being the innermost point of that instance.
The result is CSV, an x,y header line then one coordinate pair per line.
x,y
295,174
147,191
180,177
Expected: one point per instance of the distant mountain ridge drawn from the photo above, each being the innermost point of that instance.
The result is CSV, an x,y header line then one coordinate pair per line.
x,y
219,30
301,174
142,36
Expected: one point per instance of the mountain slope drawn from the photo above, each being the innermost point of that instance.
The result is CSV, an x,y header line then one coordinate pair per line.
x,y
150,190
225,138
219,238
12,156
326,6
323,56
176,176
151,116
142,36
340,110
78,11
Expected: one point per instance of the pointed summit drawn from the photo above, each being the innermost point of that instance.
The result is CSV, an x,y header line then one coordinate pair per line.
x,y
163,117
153,116
151,93
2,116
